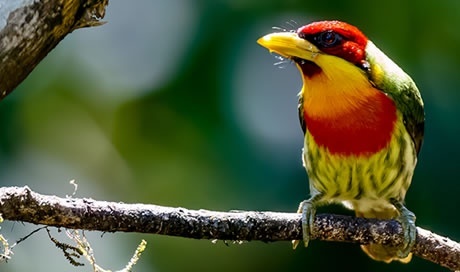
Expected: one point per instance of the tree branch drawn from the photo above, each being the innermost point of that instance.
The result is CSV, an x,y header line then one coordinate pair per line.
x,y
22,204
29,30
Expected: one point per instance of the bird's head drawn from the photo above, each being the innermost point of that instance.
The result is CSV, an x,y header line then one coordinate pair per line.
x,y
332,57
318,46
339,51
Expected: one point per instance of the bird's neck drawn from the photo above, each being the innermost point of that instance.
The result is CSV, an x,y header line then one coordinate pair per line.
x,y
348,116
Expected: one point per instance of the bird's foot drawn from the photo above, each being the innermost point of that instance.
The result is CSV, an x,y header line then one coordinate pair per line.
x,y
308,211
407,220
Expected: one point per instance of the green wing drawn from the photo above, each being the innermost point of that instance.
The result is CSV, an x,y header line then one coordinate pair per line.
x,y
410,104
393,81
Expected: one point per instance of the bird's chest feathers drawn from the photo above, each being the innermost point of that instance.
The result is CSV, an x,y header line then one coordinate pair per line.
x,y
347,115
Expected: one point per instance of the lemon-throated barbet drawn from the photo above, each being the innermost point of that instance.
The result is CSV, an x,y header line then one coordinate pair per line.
x,y
363,121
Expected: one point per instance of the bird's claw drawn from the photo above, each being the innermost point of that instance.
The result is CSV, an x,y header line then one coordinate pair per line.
x,y
407,220
308,218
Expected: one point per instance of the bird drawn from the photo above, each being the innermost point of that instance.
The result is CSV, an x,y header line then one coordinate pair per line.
x,y
363,122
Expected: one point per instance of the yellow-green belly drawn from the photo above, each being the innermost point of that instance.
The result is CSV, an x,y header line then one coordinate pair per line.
x,y
364,183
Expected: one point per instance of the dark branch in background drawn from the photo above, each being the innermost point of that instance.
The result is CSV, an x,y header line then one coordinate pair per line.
x,y
29,30
22,204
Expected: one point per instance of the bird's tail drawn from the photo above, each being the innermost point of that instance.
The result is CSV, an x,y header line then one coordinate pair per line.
x,y
380,252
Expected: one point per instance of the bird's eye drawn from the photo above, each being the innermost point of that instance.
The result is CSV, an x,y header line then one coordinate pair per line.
x,y
328,39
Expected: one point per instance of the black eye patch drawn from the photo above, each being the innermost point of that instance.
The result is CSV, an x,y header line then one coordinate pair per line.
x,y
327,39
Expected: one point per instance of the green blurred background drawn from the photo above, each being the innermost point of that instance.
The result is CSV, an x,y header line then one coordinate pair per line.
x,y
173,103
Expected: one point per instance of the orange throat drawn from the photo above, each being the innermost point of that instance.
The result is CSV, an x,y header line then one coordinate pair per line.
x,y
346,119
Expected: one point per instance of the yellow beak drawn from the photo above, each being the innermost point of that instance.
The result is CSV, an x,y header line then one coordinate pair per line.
x,y
289,45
